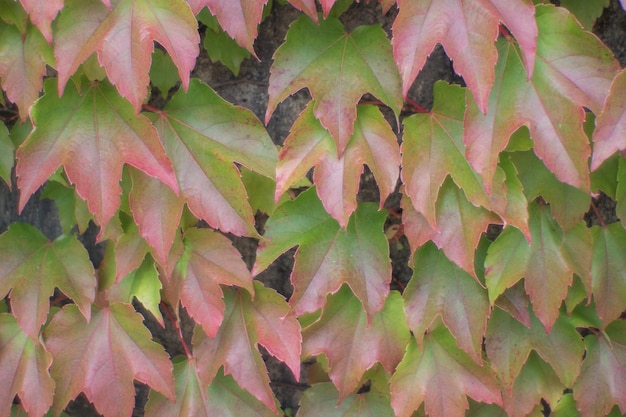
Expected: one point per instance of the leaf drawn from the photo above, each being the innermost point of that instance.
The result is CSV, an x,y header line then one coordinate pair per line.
x,y
550,104
441,376
163,72
586,11
33,267
467,31
608,271
323,399
602,380
101,358
209,260
439,288
123,35
351,343
42,13
328,255
24,365
205,135
373,143
23,59
361,61
73,211
99,126
222,398
7,155
247,323
608,137
239,19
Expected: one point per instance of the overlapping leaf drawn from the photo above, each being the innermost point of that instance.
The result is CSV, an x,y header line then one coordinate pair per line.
x,y
361,61
610,133
91,133
42,13
7,155
101,358
266,320
441,376
467,30
351,343
24,365
32,267
323,400
328,255
439,288
573,69
204,136
123,34
373,143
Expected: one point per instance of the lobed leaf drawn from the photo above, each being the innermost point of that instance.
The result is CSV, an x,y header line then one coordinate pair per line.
x,y
323,399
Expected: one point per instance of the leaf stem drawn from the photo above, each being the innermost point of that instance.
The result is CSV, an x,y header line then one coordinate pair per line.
x,y
598,214
148,107
170,315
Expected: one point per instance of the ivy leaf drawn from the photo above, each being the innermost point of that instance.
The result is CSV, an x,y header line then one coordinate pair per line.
x,y
550,103
441,376
123,34
607,271
99,126
586,11
32,267
42,13
440,288
205,135
208,260
24,365
328,255
608,137
239,19
113,347
324,400
7,155
602,380
23,59
267,321
373,143
362,60
467,31
163,72
351,343
223,397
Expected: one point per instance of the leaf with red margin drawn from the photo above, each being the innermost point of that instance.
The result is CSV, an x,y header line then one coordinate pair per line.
x,y
324,400
439,288
101,358
204,135
42,13
602,381
351,343
308,7
467,30
266,320
609,135
328,255
441,376
209,259
361,61
240,18
24,365
32,267
222,398
123,35
373,143
92,135
550,103
23,59
608,271
508,344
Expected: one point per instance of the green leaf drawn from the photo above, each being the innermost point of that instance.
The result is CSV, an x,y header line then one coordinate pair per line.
x,y
361,61
222,48
328,255
440,288
24,365
324,400
351,343
7,155
32,267
73,211
163,72
586,11
101,358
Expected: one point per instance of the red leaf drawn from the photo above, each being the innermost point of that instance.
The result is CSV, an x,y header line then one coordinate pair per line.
x,y
99,126
467,31
24,365
352,344
42,13
101,358
610,133
123,35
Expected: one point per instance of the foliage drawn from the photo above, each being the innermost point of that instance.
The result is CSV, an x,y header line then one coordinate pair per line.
x,y
524,321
